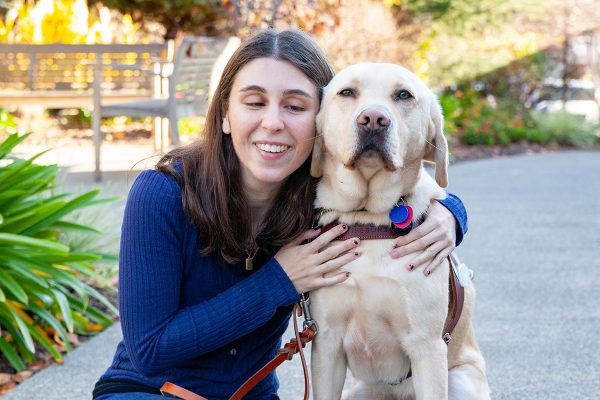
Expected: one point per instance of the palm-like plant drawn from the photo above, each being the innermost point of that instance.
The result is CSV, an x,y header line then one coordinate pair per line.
x,y
43,296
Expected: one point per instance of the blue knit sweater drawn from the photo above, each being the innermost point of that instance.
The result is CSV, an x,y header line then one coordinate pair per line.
x,y
186,318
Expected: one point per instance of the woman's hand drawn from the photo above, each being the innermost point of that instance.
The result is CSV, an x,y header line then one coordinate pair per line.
x,y
311,266
436,236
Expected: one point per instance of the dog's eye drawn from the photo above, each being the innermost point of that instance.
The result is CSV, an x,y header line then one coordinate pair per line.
x,y
403,95
347,93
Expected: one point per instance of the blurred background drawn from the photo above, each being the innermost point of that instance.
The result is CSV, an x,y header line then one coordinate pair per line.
x,y
512,76
508,73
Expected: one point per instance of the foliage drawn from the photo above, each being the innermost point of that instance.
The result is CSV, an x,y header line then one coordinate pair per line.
x,y
199,16
484,120
312,16
461,39
214,17
566,129
64,21
464,17
479,119
42,295
190,128
72,117
7,122
106,244
516,80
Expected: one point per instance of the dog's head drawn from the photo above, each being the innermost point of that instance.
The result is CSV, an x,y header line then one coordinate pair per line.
x,y
380,116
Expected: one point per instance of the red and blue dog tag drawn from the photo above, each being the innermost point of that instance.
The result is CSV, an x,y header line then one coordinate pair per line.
x,y
401,217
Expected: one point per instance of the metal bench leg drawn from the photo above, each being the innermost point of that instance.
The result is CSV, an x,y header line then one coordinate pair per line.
x,y
174,130
97,142
97,120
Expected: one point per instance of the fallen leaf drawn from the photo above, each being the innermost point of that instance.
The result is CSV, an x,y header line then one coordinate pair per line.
x,y
5,388
74,339
36,366
21,376
5,378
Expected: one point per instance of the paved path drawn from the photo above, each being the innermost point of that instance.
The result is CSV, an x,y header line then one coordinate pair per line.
x,y
534,243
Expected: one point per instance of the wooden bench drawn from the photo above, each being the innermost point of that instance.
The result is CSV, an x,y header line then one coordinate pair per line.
x,y
62,75
187,84
117,80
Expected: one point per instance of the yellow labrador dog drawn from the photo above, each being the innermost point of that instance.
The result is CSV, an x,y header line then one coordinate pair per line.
x,y
377,123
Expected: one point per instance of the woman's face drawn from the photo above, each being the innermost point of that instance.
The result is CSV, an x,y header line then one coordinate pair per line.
x,y
271,119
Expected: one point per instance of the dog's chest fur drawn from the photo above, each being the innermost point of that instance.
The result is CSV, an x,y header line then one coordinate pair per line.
x,y
374,312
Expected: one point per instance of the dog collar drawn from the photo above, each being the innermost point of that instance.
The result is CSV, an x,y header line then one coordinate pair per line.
x,y
363,231
371,232
402,222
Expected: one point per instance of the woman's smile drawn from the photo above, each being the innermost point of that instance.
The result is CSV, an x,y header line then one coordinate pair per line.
x,y
272,148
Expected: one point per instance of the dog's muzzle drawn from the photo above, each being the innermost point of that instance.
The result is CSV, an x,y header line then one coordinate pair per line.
x,y
373,128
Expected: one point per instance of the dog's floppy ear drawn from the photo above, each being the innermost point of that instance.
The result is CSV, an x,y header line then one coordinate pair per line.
x,y
316,164
436,148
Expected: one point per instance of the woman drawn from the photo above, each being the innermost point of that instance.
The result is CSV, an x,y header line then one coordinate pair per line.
x,y
213,252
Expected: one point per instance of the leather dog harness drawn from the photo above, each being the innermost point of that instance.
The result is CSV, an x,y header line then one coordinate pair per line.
x,y
295,345
457,292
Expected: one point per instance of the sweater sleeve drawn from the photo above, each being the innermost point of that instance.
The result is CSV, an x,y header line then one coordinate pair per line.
x,y
457,208
158,332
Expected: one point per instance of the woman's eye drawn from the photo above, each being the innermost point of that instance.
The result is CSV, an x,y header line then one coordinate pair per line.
x,y
347,93
255,104
403,95
296,108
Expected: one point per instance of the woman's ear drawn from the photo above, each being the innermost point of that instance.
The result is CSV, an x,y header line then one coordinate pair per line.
x,y
225,126
436,148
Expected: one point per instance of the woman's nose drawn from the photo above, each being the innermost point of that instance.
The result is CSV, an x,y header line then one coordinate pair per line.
x,y
272,120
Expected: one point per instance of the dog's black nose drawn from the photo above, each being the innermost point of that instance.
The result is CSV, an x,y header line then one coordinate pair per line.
x,y
373,120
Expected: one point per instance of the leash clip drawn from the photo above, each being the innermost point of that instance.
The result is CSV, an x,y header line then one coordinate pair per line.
x,y
309,322
447,338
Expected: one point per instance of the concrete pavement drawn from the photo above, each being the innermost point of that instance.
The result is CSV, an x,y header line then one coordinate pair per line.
x,y
534,244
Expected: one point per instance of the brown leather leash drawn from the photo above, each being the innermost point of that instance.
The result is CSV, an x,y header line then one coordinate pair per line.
x,y
457,300
286,353
173,391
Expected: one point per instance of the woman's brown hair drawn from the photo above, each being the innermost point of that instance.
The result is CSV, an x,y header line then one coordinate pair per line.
x,y
211,175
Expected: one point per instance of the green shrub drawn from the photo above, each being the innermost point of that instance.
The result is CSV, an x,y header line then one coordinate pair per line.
x,y
567,129
190,128
43,296
7,122
479,120
536,135
106,245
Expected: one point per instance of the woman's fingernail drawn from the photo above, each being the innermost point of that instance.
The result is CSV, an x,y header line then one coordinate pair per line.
x,y
411,267
348,274
355,241
395,246
395,254
427,272
356,253
344,227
